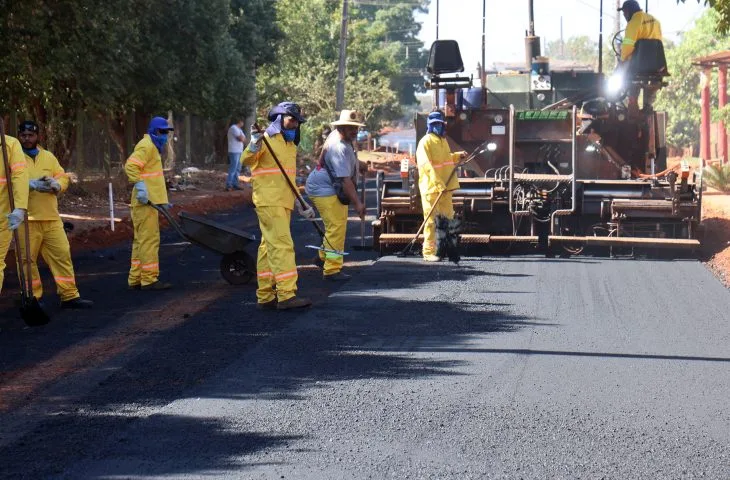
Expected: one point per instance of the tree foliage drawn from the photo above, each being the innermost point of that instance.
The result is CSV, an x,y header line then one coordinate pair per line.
x,y
379,75
680,99
64,57
582,50
722,7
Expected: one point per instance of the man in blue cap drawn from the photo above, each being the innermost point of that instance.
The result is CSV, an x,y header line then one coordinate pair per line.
x,y
436,162
276,267
144,170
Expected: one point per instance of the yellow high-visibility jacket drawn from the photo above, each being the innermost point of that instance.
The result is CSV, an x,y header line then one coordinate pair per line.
x,y
270,188
435,164
18,175
44,205
642,26
145,164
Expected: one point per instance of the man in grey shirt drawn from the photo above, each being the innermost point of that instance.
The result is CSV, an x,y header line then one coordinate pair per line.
x,y
339,161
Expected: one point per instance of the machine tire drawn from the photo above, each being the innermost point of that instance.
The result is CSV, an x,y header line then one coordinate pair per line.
x,y
238,268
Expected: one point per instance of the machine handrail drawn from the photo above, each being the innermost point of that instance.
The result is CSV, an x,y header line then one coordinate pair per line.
x,y
573,183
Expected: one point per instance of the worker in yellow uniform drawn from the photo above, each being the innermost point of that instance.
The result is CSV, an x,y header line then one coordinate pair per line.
x,y
337,164
436,162
274,201
640,26
45,228
11,220
144,170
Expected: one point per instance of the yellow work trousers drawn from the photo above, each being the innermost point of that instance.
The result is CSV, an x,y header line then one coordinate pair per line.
x,y
48,238
445,207
276,267
5,237
334,215
145,268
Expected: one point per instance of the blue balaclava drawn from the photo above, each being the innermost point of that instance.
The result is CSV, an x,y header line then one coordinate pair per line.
x,y
159,123
29,126
436,124
276,115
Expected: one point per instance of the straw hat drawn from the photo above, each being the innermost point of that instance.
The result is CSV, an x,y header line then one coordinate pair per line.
x,y
349,117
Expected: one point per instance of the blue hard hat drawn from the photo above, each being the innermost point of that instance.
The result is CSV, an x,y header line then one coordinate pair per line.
x,y
435,117
159,123
287,108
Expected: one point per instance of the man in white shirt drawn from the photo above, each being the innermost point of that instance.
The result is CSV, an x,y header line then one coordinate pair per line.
x,y
236,139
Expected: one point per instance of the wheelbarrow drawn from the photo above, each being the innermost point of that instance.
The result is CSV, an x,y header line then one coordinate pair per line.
x,y
237,266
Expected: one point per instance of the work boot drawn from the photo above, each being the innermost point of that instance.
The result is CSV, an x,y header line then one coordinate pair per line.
x,y
338,277
136,286
270,305
294,302
431,258
77,303
318,262
158,285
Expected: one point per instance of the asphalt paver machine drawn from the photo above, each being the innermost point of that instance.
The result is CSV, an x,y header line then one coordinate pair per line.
x,y
565,164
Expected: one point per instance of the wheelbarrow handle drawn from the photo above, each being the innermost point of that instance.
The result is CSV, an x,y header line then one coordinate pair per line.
x,y
166,213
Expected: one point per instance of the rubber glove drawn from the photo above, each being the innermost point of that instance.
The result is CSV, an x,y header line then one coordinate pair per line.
x,y
15,218
142,193
40,185
255,145
305,211
54,185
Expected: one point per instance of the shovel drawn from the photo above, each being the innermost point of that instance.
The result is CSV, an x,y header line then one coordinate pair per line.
x,y
299,198
30,309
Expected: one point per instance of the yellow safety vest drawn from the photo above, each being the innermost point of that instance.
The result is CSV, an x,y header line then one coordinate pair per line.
x,y
43,206
145,164
642,26
435,164
19,177
270,188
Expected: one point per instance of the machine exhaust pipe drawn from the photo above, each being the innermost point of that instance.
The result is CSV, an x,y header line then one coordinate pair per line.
x,y
532,42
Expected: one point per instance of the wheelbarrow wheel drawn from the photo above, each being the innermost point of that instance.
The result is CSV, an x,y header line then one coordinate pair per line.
x,y
238,268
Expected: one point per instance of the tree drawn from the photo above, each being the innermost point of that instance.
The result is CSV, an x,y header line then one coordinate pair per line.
x,y
305,69
722,7
680,99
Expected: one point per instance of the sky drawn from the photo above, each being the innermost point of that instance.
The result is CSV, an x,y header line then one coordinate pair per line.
x,y
506,22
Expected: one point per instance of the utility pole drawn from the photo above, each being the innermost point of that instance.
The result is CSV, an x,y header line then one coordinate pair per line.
x,y
340,99
600,40
483,74
617,25
437,19
562,41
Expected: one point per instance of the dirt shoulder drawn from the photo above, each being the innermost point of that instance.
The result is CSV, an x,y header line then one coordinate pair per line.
x,y
715,251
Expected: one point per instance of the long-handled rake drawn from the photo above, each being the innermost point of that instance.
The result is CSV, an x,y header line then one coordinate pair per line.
x,y
299,198
30,309
477,151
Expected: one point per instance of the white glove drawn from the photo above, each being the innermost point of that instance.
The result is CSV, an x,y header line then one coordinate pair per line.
x,y
55,186
305,211
256,136
15,218
142,195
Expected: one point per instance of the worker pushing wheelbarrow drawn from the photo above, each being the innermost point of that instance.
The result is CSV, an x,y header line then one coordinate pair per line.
x,y
236,266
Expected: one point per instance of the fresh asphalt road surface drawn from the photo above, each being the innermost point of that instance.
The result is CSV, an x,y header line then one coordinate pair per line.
x,y
518,367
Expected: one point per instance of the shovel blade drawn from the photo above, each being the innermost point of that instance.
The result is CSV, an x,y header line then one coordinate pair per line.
x,y
32,313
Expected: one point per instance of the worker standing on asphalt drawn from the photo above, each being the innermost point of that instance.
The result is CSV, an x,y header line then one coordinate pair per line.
x,y
144,170
435,165
45,227
10,221
337,164
274,201
640,26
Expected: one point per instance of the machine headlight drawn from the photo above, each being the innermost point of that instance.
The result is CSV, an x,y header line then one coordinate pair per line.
x,y
491,147
615,83
498,119
592,147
